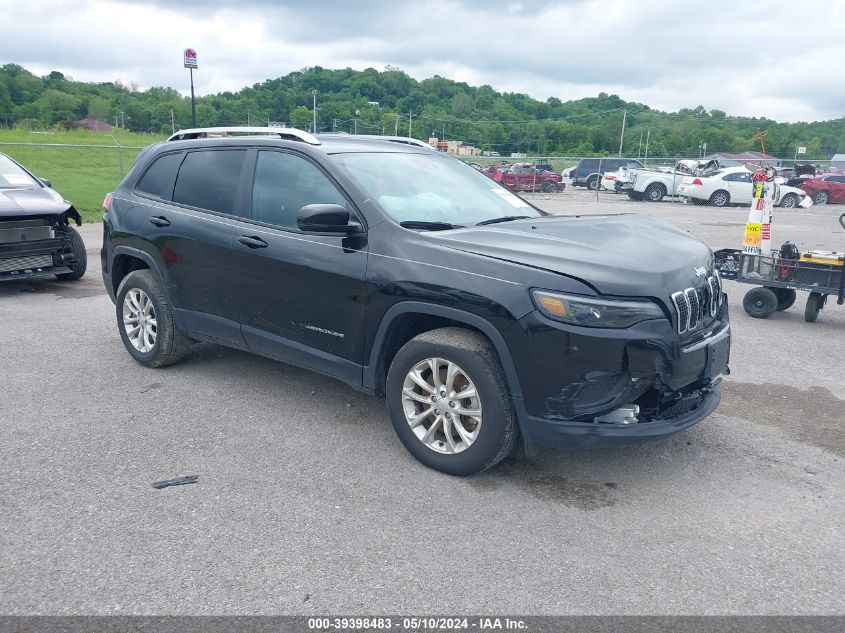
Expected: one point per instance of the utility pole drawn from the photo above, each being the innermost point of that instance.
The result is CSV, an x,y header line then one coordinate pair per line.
x,y
622,136
357,114
193,102
410,119
172,122
334,125
247,118
122,121
640,147
396,131
648,134
314,110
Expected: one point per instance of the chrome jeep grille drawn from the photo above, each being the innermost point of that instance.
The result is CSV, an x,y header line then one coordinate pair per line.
x,y
698,306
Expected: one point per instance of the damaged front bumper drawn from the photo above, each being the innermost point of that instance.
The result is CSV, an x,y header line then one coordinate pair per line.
x,y
34,248
591,387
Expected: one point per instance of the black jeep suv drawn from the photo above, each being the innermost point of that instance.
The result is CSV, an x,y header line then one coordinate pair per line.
x,y
407,274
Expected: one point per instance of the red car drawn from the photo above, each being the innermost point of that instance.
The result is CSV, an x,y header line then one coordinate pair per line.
x,y
826,189
525,177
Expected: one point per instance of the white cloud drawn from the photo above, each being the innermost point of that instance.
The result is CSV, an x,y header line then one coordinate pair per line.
x,y
748,59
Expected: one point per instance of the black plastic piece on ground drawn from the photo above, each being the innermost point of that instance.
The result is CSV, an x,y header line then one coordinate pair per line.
x,y
178,481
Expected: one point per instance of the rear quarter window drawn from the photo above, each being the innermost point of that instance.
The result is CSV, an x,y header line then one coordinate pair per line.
x,y
159,176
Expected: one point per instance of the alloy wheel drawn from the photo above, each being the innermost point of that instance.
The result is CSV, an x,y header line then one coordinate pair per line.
x,y
441,405
139,320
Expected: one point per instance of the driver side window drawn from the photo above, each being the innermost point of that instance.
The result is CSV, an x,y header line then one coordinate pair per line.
x,y
285,183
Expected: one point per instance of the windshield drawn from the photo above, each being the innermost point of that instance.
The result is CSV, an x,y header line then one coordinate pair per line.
x,y
13,177
432,188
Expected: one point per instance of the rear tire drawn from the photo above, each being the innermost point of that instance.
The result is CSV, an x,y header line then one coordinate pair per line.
x,y
720,198
786,298
655,192
169,345
821,197
77,247
593,183
760,303
484,439
814,303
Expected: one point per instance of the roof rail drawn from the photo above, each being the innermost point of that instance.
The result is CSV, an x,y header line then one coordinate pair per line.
x,y
406,140
290,133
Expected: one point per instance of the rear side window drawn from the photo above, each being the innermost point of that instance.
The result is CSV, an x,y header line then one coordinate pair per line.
x,y
588,165
159,175
209,179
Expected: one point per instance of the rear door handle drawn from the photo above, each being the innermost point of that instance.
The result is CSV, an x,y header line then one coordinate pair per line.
x,y
159,220
252,242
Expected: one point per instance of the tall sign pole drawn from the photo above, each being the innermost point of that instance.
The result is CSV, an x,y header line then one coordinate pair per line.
x,y
190,64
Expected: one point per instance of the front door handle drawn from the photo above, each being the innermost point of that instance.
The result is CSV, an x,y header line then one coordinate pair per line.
x,y
159,220
252,242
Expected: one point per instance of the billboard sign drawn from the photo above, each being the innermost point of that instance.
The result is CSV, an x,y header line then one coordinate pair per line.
x,y
190,58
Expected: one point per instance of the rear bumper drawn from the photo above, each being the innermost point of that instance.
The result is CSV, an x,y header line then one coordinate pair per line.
x,y
556,434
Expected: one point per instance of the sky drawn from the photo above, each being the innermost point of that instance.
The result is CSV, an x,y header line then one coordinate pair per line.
x,y
745,57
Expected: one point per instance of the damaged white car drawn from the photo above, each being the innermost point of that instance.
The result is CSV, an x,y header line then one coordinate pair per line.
x,y
733,185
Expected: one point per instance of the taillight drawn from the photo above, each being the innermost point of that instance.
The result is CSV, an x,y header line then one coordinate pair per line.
x,y
107,202
697,181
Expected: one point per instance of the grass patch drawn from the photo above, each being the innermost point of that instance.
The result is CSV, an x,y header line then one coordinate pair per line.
x,y
83,175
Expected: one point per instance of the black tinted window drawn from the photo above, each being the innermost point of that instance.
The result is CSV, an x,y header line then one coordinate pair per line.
x,y
209,179
836,179
159,175
285,183
588,165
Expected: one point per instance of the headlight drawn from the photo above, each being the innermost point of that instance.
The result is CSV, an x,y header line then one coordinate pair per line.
x,y
594,312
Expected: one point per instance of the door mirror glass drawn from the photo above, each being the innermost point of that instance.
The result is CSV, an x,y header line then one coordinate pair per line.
x,y
325,218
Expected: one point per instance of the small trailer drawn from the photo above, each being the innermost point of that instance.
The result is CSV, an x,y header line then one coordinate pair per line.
x,y
782,273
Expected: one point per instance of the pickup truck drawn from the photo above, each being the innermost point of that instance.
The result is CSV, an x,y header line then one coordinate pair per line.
x,y
525,177
653,184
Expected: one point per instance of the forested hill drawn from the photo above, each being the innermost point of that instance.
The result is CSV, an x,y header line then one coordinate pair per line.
x,y
385,101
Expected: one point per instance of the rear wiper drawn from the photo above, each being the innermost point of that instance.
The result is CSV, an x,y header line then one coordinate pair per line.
x,y
506,218
429,226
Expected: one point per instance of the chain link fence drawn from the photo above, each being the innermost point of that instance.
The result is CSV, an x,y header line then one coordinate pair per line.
x,y
83,174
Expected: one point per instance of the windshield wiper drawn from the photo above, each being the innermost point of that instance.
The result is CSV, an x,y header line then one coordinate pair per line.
x,y
506,218
429,226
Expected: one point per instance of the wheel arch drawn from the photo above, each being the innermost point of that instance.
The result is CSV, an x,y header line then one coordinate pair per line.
x,y
125,259
407,319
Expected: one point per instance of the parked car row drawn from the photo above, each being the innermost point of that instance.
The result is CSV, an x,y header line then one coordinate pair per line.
x,y
707,182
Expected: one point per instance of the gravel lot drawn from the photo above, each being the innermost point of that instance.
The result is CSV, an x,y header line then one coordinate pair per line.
x,y
307,503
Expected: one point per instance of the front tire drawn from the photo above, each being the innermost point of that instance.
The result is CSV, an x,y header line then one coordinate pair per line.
x,y
655,192
786,298
146,323
77,247
720,198
549,186
790,201
760,303
593,183
449,402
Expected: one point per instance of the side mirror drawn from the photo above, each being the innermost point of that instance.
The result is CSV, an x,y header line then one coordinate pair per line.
x,y
46,182
326,218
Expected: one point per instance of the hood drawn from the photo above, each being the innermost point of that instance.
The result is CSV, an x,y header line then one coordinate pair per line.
x,y
626,255
41,201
